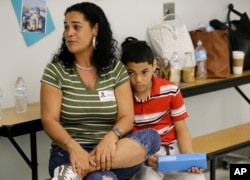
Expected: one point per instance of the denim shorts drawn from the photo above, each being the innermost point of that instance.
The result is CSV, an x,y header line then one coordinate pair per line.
x,y
148,138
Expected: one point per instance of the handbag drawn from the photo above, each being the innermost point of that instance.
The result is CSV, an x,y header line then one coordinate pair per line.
x,y
216,43
165,39
161,70
240,34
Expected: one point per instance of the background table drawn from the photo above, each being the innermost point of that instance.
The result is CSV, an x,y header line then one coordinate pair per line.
x,y
15,124
210,85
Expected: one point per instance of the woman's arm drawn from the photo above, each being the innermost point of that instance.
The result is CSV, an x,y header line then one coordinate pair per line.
x,y
50,99
105,151
125,111
50,114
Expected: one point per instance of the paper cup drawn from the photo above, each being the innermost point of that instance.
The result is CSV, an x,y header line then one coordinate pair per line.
x,y
237,70
175,76
188,74
238,62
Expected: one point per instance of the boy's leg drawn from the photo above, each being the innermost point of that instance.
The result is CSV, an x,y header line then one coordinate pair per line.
x,y
148,173
184,176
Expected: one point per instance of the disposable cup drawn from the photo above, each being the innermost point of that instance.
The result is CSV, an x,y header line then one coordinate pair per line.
x,y
175,76
237,70
188,74
238,62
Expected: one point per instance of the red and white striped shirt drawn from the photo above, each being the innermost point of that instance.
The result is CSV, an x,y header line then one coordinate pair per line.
x,y
160,110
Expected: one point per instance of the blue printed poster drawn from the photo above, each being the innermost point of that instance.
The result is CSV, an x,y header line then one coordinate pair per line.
x,y
34,19
34,14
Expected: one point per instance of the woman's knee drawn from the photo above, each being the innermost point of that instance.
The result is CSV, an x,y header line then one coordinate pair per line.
x,y
149,138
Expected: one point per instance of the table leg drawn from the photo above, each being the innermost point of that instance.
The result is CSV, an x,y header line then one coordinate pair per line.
x,y
242,94
33,162
33,149
212,168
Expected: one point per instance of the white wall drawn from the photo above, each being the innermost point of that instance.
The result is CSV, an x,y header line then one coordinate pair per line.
x,y
208,112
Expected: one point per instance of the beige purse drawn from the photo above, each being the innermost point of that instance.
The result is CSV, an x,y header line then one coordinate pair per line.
x,y
166,39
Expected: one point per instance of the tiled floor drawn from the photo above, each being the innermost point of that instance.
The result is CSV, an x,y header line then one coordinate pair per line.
x,y
221,174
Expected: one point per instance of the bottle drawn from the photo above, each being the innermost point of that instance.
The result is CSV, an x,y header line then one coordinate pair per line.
x,y
20,95
1,103
175,69
209,28
200,58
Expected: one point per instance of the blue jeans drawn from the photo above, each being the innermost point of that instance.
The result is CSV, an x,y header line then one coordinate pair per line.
x,y
148,138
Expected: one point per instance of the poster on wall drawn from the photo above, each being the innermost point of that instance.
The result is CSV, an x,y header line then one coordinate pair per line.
x,y
29,36
33,15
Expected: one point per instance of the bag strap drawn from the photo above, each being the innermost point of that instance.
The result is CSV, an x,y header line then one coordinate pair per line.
x,y
169,15
217,24
163,21
231,9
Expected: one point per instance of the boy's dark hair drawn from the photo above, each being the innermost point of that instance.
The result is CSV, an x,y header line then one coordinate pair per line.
x,y
134,50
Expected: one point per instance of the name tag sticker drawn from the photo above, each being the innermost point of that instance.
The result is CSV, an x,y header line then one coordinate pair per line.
x,y
107,95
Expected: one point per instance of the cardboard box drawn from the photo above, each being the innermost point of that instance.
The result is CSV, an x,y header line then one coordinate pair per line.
x,y
182,162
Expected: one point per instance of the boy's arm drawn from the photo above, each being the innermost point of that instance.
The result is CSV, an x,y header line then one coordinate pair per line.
x,y
184,140
184,137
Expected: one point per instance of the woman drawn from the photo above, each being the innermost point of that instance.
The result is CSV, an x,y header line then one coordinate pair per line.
x,y
86,103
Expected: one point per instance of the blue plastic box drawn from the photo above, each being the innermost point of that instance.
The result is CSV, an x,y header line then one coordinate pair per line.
x,y
182,162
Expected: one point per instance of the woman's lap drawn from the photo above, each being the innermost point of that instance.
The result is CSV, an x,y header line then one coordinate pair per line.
x,y
148,138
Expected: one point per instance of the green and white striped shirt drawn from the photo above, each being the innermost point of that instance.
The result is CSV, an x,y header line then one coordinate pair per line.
x,y
86,114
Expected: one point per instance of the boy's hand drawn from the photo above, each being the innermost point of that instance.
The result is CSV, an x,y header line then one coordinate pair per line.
x,y
195,170
152,161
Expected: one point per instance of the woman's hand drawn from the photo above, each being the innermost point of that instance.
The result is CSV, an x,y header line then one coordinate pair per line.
x,y
104,152
80,159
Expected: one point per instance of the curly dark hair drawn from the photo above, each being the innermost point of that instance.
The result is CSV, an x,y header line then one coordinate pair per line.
x,y
106,47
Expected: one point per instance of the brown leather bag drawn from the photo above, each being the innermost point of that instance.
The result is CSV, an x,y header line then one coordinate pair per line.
x,y
216,43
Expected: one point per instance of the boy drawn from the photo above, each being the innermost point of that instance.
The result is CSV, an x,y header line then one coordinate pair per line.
x,y
158,104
